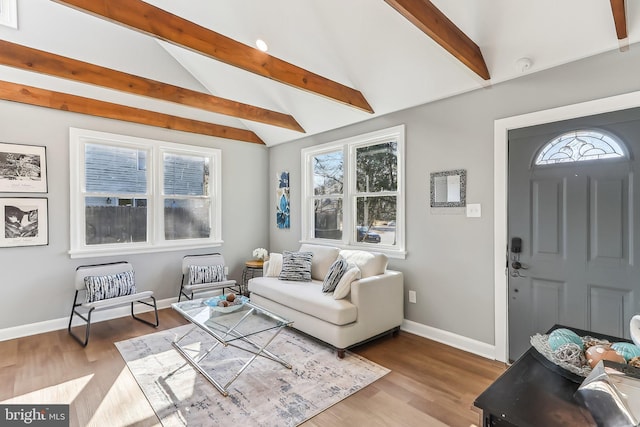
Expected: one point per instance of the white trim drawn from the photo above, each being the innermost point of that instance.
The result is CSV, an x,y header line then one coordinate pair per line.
x,y
63,322
453,340
501,140
9,13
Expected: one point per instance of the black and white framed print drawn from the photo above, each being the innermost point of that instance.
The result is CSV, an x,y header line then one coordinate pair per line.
x,y
26,221
23,168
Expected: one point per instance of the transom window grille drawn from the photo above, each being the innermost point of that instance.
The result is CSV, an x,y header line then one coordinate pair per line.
x,y
580,145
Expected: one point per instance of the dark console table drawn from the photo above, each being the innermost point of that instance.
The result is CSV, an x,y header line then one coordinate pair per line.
x,y
535,392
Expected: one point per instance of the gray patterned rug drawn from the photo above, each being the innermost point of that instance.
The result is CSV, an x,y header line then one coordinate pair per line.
x,y
266,394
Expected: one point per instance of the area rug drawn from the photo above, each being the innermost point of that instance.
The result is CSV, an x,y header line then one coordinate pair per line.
x,y
265,394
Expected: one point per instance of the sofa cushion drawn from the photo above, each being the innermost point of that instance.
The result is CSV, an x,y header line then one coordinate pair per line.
x,y
296,266
323,257
344,285
369,263
306,297
336,271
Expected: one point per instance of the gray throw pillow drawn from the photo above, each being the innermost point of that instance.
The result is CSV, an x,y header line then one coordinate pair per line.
x,y
335,273
296,266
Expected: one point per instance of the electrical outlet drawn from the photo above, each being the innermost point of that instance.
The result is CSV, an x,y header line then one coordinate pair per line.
x,y
412,296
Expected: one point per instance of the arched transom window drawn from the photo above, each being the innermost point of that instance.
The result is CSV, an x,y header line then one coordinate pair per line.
x,y
580,145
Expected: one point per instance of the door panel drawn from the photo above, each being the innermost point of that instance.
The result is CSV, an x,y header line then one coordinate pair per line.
x,y
609,224
547,214
610,311
548,303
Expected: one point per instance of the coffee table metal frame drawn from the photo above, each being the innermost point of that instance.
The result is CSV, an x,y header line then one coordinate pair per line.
x,y
201,316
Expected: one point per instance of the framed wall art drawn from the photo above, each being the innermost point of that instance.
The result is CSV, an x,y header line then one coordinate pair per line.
x,y
26,222
23,168
282,204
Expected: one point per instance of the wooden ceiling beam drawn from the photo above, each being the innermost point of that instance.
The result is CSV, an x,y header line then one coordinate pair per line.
x,y
146,18
619,18
26,58
66,102
428,18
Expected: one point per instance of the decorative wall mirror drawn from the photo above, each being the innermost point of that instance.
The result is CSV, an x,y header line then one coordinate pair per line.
x,y
449,189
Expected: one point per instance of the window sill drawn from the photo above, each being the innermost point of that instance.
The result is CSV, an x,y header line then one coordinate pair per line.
x,y
113,250
390,253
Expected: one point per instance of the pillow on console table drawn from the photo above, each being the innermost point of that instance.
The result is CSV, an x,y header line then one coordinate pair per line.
x,y
344,285
336,271
296,266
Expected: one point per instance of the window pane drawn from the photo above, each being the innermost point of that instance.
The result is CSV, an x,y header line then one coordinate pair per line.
x,y
377,167
114,220
115,169
328,173
186,219
328,219
376,219
186,175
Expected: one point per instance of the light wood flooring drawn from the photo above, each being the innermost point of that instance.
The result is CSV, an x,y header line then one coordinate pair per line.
x,y
430,384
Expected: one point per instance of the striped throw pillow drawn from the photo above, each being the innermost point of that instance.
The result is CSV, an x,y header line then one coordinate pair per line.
x,y
206,274
110,286
296,266
335,273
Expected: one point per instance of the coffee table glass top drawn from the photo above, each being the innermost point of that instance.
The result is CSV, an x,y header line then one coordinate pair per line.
x,y
228,326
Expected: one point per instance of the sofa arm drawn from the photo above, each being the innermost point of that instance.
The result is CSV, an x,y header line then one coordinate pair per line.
x,y
380,300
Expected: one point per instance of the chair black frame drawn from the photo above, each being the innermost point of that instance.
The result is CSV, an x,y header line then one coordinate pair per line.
x,y
87,318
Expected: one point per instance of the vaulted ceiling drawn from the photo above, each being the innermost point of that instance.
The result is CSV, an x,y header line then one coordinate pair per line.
x,y
192,65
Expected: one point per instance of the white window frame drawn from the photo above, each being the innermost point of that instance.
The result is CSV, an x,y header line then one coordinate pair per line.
x,y
156,242
348,147
9,13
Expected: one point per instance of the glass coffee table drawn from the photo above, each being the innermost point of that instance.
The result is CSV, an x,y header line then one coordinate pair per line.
x,y
246,327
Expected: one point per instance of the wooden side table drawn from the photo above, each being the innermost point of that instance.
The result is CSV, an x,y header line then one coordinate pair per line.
x,y
252,268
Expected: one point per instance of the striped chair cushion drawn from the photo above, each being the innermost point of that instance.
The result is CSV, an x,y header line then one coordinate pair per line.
x,y
110,286
296,266
206,274
335,273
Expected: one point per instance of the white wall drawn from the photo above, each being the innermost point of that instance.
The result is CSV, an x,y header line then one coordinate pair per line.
x,y
36,282
450,257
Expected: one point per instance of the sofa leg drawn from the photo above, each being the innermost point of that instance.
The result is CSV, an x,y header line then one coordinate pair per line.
x,y
340,353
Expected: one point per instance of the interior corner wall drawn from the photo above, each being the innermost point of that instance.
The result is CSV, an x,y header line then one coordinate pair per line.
x,y
450,261
37,282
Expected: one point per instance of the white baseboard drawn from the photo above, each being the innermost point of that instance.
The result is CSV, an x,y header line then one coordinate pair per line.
x,y
62,323
450,339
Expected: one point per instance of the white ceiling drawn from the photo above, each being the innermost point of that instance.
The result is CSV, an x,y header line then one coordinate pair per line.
x,y
364,44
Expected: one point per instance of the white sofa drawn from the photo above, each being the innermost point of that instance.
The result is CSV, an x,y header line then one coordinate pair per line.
x,y
373,306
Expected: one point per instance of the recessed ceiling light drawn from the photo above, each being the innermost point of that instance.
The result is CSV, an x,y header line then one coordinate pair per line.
x,y
262,45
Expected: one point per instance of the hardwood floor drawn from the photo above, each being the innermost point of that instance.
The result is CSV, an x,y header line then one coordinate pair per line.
x,y
430,384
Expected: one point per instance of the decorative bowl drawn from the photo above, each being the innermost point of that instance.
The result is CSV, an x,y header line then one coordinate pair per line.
x,y
233,306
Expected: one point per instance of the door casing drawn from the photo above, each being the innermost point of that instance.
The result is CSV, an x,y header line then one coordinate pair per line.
x,y
500,174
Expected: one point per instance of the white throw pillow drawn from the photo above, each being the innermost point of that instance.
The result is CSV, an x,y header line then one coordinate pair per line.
x,y
274,265
369,263
344,285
